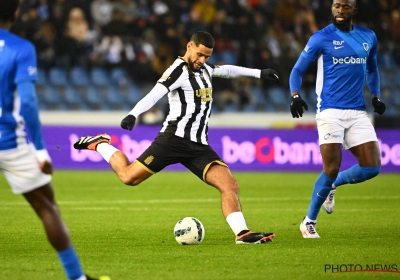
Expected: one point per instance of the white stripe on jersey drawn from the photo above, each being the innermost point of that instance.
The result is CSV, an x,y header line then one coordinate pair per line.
x,y
20,128
190,100
319,82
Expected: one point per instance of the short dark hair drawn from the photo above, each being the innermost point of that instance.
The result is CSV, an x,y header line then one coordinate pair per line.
x,y
8,9
204,38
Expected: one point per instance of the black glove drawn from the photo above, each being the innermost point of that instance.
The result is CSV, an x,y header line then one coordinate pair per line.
x,y
296,106
128,122
269,74
379,106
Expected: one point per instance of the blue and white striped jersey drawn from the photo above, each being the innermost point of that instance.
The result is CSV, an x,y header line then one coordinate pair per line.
x,y
17,64
345,60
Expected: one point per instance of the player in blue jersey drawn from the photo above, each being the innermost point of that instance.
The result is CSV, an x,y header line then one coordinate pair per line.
x,y
27,167
346,55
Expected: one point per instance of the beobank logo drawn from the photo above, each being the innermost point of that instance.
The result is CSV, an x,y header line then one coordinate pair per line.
x,y
264,150
349,60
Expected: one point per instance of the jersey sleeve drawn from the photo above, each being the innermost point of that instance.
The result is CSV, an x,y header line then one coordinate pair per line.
x,y
30,113
311,51
172,78
372,73
149,100
296,76
232,71
314,47
26,64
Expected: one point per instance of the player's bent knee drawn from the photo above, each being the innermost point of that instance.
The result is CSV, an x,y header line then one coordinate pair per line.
x,y
371,172
234,187
131,181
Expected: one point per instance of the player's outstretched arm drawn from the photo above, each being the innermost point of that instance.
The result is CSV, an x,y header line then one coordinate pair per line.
x,y
269,74
233,71
143,105
128,122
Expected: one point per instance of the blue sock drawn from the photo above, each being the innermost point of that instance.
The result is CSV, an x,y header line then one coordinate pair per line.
x,y
356,174
70,262
322,187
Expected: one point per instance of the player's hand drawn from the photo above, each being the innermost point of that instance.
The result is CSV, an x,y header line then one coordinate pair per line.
x,y
46,167
128,122
269,74
296,106
379,106
44,161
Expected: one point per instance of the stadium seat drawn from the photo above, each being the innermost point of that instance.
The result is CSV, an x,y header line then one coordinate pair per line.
x,y
41,77
99,77
249,108
269,108
214,110
58,76
119,76
51,97
278,96
385,79
93,98
40,93
72,97
113,98
79,76
310,97
230,108
133,95
395,81
391,111
259,96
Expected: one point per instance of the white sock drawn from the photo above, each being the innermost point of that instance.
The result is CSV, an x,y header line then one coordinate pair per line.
x,y
106,150
307,220
236,222
83,277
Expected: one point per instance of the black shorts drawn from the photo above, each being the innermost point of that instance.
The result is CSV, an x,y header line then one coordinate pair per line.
x,y
169,149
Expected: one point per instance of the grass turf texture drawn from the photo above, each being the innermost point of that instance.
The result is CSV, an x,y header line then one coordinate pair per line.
x,y
127,232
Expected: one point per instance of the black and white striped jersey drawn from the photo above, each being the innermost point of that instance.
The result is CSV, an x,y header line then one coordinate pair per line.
x,y
190,99
190,96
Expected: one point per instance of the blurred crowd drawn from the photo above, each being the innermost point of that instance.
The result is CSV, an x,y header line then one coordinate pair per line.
x,y
144,37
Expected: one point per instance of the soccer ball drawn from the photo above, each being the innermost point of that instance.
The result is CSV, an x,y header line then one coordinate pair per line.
x,y
189,231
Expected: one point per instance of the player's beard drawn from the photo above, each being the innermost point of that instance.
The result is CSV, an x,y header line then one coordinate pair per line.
x,y
191,65
343,25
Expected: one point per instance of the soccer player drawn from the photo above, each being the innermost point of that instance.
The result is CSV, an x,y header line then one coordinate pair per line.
x,y
184,135
26,167
346,56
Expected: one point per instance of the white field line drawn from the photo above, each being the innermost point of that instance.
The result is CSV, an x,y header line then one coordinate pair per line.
x,y
137,209
207,200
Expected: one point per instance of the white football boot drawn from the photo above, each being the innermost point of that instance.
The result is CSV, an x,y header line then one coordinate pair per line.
x,y
329,203
308,230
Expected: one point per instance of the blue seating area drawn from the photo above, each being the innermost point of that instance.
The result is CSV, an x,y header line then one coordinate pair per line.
x,y
81,89
101,90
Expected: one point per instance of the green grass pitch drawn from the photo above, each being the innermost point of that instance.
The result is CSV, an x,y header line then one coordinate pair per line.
x,y
127,232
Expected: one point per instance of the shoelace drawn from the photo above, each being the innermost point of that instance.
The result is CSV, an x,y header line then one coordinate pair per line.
x,y
330,197
311,228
